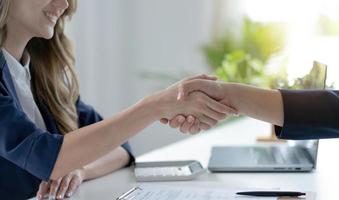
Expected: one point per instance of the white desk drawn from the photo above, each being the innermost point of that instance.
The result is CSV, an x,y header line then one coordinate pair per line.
x,y
324,181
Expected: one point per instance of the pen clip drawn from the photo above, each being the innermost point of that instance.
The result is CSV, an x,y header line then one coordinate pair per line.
x,y
126,195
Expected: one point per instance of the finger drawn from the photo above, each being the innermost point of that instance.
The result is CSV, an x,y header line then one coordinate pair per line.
x,y
73,185
194,129
53,189
212,114
187,124
211,107
63,187
164,120
43,190
207,120
219,107
177,121
204,126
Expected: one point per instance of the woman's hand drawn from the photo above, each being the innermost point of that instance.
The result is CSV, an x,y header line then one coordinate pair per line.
x,y
186,124
63,187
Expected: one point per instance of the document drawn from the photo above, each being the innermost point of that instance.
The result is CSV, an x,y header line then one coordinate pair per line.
x,y
171,192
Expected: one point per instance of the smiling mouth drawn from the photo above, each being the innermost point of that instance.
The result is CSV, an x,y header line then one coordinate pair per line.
x,y
52,17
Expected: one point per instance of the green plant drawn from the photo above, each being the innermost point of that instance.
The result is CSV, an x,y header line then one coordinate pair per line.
x,y
239,66
315,79
244,60
262,40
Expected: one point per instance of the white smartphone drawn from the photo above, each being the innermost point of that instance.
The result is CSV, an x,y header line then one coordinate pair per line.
x,y
168,170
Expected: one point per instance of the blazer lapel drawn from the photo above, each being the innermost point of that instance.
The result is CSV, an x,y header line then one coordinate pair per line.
x,y
8,83
7,80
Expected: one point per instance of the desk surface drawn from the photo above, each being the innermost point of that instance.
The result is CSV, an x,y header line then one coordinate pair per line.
x,y
323,181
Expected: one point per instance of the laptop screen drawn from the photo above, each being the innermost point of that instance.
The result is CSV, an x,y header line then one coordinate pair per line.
x,y
316,79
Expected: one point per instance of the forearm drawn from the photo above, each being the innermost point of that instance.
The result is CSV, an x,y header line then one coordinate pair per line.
x,y
110,162
262,104
86,144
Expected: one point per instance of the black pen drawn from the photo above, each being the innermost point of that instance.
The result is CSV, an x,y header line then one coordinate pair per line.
x,y
272,193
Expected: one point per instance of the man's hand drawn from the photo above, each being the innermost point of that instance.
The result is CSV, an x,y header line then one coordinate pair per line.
x,y
204,108
207,85
258,103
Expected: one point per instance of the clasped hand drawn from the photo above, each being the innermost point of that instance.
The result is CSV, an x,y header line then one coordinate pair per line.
x,y
208,107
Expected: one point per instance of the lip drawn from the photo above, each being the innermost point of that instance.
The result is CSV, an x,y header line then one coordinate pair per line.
x,y
52,16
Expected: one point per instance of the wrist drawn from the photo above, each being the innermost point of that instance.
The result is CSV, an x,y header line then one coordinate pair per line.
x,y
152,105
83,173
231,91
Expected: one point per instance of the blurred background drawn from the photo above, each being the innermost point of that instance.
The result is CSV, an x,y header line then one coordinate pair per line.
x,y
127,49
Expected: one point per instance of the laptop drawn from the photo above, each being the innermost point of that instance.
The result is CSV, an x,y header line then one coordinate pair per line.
x,y
292,156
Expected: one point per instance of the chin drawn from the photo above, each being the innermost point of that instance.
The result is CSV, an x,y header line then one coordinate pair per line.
x,y
47,34
44,31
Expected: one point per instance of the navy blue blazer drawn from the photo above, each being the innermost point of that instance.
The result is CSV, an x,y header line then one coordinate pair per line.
x,y
27,153
309,114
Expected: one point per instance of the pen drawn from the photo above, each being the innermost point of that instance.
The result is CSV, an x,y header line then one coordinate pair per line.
x,y
272,193
128,193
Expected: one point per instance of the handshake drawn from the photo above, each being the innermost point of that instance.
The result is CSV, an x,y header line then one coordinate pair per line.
x,y
201,102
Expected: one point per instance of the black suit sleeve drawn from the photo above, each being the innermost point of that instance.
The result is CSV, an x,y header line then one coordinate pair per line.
x,y
309,114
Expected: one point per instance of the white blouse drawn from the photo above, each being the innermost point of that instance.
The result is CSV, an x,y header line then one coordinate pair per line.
x,y
22,82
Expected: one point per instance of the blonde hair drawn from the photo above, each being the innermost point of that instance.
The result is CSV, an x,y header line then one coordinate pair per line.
x,y
54,82
4,6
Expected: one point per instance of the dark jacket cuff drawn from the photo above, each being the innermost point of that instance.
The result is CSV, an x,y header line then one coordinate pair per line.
x,y
43,155
128,149
309,114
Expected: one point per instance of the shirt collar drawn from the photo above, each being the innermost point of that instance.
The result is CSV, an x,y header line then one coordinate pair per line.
x,y
17,69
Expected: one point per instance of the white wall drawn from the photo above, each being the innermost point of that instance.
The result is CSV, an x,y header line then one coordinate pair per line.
x,y
119,41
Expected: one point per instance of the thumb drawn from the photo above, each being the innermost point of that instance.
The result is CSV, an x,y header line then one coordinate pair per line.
x,y
210,88
186,87
182,92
